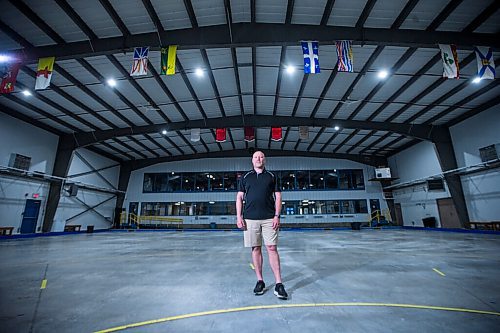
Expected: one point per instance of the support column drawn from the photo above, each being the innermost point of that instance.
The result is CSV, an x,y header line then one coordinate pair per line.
x,y
61,167
447,160
125,171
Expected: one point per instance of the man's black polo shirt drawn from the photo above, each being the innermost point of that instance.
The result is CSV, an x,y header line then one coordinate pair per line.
x,y
259,194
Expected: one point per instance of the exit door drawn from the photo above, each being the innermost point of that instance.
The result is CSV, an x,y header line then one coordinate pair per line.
x,y
30,216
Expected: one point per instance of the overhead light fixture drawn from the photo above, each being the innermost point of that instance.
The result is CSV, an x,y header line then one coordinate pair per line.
x,y
383,74
26,93
477,79
111,82
290,69
336,128
164,132
198,72
5,58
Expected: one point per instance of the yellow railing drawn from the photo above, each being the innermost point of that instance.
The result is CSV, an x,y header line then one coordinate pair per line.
x,y
132,220
380,216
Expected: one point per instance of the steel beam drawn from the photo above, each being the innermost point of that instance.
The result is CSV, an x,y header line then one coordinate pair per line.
x,y
422,132
123,180
259,34
61,167
447,160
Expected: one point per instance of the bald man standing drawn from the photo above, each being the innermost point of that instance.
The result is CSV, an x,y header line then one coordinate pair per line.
x,y
260,219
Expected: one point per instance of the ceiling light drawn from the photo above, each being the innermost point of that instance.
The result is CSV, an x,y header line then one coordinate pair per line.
x,y
290,69
5,58
477,79
111,82
336,128
383,74
164,132
26,93
199,72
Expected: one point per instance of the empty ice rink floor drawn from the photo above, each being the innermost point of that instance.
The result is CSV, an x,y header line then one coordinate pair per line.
x,y
201,281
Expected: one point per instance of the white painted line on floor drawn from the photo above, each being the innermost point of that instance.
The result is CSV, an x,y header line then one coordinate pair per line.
x,y
439,272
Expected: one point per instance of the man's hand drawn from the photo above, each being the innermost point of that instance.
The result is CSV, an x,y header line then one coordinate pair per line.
x,y
276,222
240,222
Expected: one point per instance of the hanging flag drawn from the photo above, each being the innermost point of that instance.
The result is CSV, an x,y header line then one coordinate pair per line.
x,y
140,66
44,72
303,132
344,54
450,61
195,134
311,60
9,79
485,63
276,133
168,60
220,135
249,134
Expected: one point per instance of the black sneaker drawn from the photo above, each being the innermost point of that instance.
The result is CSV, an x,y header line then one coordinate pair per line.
x,y
280,292
259,288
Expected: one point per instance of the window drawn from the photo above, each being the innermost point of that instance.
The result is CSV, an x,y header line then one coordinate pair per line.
x,y
202,181
332,207
217,181
358,181
188,182
302,178
317,180
331,179
287,180
174,182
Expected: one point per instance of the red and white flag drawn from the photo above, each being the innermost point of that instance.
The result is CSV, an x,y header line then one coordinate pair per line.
x,y
220,134
9,79
276,133
249,134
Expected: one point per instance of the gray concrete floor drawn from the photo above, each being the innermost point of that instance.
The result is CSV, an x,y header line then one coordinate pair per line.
x,y
108,280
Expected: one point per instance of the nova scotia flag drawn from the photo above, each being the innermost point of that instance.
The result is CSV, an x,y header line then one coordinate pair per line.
x,y
311,60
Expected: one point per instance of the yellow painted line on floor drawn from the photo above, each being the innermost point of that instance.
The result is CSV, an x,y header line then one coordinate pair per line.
x,y
281,306
252,267
44,284
438,271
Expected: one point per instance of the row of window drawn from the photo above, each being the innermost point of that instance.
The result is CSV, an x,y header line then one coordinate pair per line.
x,y
304,207
350,179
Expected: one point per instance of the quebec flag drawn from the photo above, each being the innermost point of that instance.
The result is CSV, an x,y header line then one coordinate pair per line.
x,y
311,60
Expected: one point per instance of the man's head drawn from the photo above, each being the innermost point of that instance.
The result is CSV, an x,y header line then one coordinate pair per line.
x,y
258,160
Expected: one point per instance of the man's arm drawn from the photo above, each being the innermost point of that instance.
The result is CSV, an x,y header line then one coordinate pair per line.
x,y
277,210
240,222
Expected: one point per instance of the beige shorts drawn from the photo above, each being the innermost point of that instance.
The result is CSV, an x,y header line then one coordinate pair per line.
x,y
258,229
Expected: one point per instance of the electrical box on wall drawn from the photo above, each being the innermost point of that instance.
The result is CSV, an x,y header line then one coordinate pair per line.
x,y
381,173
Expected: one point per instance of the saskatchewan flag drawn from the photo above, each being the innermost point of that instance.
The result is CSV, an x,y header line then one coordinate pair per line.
x,y
168,60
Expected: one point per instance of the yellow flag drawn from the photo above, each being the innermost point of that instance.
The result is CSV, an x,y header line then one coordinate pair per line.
x,y
172,53
44,72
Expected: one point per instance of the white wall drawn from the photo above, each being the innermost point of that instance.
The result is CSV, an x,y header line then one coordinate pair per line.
x,y
22,138
417,162
372,189
481,190
25,139
71,206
